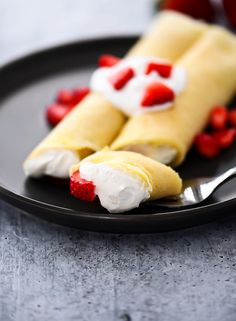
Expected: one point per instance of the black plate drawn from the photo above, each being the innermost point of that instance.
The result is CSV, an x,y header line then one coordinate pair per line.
x,y
26,87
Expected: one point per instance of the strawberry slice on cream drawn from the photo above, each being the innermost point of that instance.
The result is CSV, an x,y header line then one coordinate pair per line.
x,y
157,94
121,78
163,69
125,83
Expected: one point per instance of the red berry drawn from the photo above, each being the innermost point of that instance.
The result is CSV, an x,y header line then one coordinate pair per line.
x,y
218,117
225,137
81,188
232,117
199,9
207,145
157,93
163,69
56,112
65,97
230,11
107,61
79,94
120,79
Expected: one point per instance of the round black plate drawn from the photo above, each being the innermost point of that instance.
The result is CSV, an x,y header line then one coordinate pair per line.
x,y
26,87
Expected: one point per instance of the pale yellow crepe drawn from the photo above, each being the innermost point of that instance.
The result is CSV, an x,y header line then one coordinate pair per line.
x,y
161,180
95,123
211,80
170,35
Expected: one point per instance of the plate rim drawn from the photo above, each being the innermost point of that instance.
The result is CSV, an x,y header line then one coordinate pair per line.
x,y
61,210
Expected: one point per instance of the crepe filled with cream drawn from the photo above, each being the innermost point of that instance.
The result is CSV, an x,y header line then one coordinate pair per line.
x,y
167,135
95,122
122,180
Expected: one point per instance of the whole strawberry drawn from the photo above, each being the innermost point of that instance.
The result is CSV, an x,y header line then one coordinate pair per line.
x,y
199,9
230,11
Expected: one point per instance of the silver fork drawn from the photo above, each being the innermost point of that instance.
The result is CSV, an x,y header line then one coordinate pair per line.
x,y
197,190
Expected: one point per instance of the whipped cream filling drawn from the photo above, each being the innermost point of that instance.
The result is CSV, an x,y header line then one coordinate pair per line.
x,y
117,190
54,163
129,98
163,153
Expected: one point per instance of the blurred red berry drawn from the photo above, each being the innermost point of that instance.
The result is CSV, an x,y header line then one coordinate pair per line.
x,y
232,117
207,145
79,94
107,60
225,137
219,117
56,112
65,97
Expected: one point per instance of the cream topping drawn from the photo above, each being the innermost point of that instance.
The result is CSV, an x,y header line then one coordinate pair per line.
x,y
54,163
129,98
117,190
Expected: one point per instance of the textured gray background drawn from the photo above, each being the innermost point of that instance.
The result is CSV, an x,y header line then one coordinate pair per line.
x,y
52,273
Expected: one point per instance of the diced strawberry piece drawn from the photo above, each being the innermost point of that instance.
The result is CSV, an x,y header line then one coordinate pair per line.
x,y
232,117
79,94
65,97
230,11
157,93
81,188
218,117
56,112
225,137
199,9
163,69
207,145
108,60
120,79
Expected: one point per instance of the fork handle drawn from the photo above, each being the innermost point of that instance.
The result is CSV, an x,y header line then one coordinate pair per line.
x,y
218,180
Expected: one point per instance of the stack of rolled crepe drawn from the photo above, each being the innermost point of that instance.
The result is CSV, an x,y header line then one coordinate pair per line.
x,y
211,80
95,123
122,180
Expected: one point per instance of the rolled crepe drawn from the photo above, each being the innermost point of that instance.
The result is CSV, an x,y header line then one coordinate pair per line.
x,y
95,123
211,80
122,180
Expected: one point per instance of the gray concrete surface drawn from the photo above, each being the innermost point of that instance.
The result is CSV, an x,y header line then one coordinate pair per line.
x,y
53,273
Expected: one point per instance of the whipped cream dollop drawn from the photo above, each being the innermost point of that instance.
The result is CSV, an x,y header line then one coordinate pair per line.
x,y
55,163
118,191
163,153
128,99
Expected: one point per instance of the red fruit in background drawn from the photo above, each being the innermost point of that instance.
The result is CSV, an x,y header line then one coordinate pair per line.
x,y
79,94
81,188
163,69
199,9
66,100
207,145
219,117
120,79
65,97
232,117
56,112
157,93
107,60
230,11
225,137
